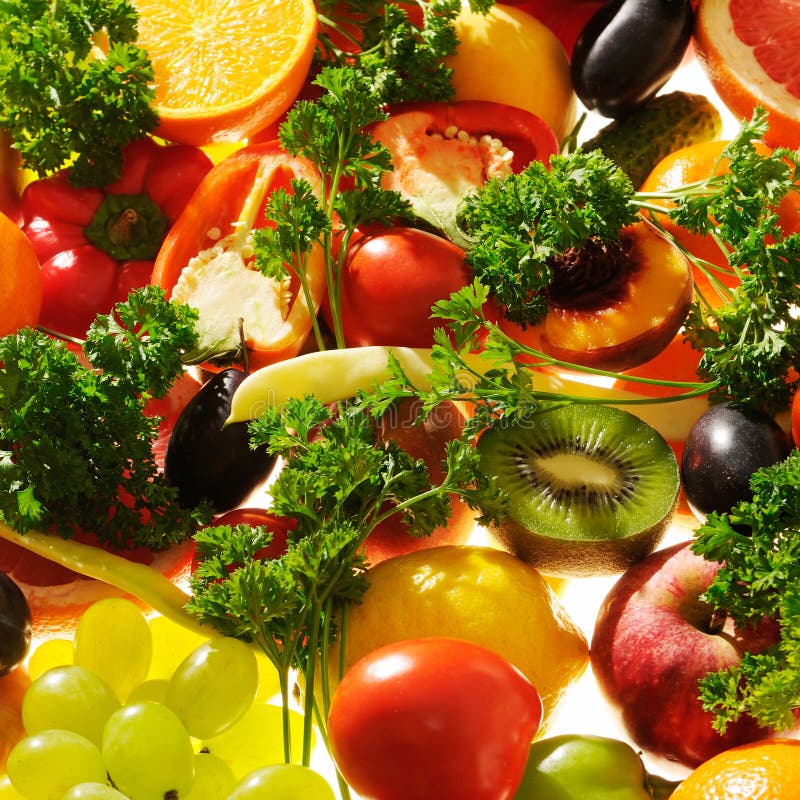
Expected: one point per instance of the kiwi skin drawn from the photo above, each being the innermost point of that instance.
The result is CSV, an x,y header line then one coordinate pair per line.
x,y
565,558
557,552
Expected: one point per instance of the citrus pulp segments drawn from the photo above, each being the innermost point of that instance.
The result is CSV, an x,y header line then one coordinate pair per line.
x,y
224,69
751,53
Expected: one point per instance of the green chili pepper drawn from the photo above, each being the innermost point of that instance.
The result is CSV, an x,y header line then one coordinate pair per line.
x,y
573,767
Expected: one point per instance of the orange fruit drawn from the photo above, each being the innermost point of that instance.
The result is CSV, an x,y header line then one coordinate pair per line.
x,y
768,770
12,689
20,280
694,163
749,50
224,69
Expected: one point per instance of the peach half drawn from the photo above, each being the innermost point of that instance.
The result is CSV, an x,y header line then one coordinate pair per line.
x,y
625,317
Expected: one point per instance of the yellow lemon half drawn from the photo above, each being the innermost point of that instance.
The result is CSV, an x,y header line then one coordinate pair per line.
x,y
478,594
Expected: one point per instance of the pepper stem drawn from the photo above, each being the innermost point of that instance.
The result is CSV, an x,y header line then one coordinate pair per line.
x,y
121,228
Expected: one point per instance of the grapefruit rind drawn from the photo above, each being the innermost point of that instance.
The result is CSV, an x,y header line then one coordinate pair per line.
x,y
737,76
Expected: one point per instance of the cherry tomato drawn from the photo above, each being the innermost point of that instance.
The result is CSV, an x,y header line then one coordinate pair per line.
x,y
435,715
796,419
277,525
391,279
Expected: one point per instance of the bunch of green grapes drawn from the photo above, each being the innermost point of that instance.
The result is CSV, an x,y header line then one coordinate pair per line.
x,y
138,709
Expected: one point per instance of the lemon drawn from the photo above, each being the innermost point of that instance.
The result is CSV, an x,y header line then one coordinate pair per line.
x,y
478,594
508,56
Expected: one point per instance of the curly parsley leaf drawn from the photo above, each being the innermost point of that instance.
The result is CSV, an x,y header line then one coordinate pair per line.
x,y
75,446
522,223
400,54
340,480
143,340
751,342
331,133
74,88
758,545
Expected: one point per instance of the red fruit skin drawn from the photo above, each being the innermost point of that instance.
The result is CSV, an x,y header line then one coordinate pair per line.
x,y
427,441
651,646
433,717
391,279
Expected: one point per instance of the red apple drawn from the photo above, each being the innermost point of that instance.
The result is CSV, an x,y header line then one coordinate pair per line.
x,y
654,639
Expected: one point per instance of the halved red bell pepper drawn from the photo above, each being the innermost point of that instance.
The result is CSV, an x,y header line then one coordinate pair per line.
x,y
443,151
235,191
97,244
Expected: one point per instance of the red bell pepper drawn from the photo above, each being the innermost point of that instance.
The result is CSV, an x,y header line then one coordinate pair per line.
x,y
228,205
443,151
96,245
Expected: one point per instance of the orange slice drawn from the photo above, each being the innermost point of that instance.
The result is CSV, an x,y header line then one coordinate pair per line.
x,y
750,50
224,69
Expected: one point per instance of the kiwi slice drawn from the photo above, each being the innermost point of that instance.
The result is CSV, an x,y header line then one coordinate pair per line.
x,y
592,489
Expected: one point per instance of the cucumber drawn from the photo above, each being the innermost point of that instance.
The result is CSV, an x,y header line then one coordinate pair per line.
x,y
638,141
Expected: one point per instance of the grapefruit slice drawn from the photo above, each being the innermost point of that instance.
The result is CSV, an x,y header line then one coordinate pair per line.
x,y
750,50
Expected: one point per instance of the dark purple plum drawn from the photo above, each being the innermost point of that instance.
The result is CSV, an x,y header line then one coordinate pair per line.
x,y
15,624
725,447
207,462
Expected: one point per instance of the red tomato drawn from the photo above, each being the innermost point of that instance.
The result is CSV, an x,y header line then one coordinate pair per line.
x,y
433,717
279,527
565,18
391,279
796,419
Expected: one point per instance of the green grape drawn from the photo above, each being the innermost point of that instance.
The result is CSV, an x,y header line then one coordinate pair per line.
x,y
257,739
154,690
113,640
268,682
45,765
50,653
148,752
93,791
71,698
171,644
283,782
213,779
7,791
214,686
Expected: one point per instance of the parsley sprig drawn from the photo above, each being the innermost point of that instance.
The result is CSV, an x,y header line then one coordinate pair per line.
x,y
519,224
401,56
75,446
758,545
751,341
338,482
476,362
749,337
330,133
74,88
